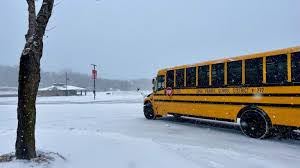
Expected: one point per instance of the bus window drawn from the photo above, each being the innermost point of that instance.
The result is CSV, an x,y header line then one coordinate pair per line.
x,y
277,69
254,71
179,78
160,82
234,73
191,77
170,78
217,75
296,67
203,76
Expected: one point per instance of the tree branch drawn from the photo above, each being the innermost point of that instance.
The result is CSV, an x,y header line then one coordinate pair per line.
x,y
44,16
31,19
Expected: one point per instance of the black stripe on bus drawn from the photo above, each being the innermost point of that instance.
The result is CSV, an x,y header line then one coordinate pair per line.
x,y
262,95
230,103
243,86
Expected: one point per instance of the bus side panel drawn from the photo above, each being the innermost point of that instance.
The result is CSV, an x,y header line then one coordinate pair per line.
x,y
283,116
278,115
228,112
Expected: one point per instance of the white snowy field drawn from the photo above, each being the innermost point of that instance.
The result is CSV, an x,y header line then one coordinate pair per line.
x,y
112,132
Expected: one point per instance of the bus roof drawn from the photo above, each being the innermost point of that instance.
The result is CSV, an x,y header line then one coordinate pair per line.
x,y
229,59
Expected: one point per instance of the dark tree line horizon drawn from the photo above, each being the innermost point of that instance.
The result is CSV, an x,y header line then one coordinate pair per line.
x,y
9,78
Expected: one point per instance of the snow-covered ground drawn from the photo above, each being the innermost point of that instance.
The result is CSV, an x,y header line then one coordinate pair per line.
x,y
112,132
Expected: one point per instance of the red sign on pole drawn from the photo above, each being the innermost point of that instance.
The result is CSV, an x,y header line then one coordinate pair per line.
x,y
94,74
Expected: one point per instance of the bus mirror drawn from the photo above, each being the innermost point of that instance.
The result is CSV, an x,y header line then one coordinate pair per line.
x,y
153,81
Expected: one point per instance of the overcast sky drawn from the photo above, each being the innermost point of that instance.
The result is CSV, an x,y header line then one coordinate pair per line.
x,y
131,39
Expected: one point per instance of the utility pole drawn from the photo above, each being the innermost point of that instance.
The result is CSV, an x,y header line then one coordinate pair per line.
x,y
94,76
67,84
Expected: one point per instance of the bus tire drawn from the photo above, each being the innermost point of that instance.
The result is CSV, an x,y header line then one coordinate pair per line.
x,y
255,123
149,112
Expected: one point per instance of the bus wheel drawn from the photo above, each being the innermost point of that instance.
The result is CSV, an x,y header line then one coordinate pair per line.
x,y
255,124
149,112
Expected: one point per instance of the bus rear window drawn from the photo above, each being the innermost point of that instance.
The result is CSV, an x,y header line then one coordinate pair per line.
x,y
217,75
203,76
170,78
277,69
296,67
254,71
179,78
234,73
191,77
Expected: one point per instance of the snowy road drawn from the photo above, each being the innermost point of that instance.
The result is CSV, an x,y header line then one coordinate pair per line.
x,y
112,132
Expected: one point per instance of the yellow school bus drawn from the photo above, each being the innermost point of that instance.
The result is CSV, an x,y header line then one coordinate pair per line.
x,y
260,92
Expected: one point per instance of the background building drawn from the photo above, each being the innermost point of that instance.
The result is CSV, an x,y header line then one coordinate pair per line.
x,y
60,89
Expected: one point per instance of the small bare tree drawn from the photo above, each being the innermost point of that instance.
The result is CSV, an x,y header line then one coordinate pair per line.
x,y
29,78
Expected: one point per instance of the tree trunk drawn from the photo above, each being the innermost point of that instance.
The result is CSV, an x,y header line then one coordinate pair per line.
x,y
29,79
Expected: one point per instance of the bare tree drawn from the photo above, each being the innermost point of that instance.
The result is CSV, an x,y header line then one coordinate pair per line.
x,y
29,78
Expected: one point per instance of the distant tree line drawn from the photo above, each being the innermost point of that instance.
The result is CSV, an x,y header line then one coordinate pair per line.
x,y
9,78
